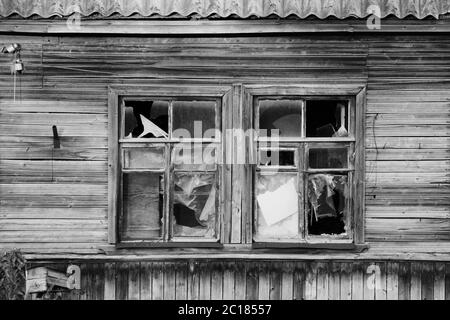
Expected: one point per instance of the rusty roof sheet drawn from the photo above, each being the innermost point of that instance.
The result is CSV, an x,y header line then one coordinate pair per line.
x,y
224,8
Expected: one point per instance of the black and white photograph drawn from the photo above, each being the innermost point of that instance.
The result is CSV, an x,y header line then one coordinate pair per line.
x,y
230,152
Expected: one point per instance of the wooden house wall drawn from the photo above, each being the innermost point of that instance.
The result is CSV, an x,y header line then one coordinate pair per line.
x,y
282,280
56,200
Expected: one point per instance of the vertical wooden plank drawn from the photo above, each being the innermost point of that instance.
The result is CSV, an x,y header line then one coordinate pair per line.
x,y
299,281
439,281
263,283
238,168
134,285
110,281
169,281
416,288
334,281
287,282
252,281
358,281
228,282
427,281
157,281
181,281
381,282
322,281
227,175
275,282
370,277
240,282
311,281
146,280
404,281
122,281
447,281
217,283
99,281
392,281
346,281
193,282
84,268
205,283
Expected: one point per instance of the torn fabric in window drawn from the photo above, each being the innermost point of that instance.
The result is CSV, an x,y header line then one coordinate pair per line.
x,y
142,205
146,119
194,205
327,197
278,209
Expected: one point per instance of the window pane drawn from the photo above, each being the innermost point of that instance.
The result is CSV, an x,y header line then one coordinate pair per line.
x,y
277,158
282,115
146,119
277,206
326,118
144,158
194,157
194,205
142,205
328,158
192,119
327,199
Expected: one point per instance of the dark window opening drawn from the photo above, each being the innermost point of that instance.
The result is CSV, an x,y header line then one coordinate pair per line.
x,y
325,118
146,119
282,115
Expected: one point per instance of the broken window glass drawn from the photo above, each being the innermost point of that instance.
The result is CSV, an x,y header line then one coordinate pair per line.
x,y
327,200
328,158
192,119
194,205
282,115
278,206
194,157
277,158
144,158
326,118
142,205
146,119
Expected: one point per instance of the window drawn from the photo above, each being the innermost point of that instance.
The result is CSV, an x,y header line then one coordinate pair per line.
x,y
168,171
304,187
211,165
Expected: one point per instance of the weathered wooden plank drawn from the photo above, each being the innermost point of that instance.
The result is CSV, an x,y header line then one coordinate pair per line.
x,y
110,281
334,281
228,282
216,284
381,282
310,281
263,284
275,283
427,281
370,271
181,285
287,282
122,283
205,284
169,281
416,290
404,281
145,276
252,282
157,281
99,281
240,282
322,281
439,281
134,281
392,280
345,281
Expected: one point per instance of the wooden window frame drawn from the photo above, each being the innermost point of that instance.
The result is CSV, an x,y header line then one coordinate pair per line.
x,y
163,92
356,201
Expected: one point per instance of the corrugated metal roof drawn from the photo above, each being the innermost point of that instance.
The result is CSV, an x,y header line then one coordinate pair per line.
x,y
224,8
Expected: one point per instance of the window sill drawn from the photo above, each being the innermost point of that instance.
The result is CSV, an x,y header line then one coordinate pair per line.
x,y
169,245
351,247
